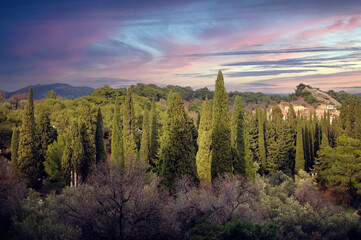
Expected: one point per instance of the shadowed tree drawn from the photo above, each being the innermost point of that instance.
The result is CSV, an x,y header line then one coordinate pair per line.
x,y
117,147
101,155
177,156
153,137
27,161
130,147
15,147
238,136
300,159
144,145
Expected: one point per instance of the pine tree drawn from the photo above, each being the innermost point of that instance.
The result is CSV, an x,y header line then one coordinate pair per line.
x,y
144,145
261,141
238,136
53,160
221,131
204,157
177,156
249,167
27,159
300,159
153,137
130,147
15,147
117,147
101,155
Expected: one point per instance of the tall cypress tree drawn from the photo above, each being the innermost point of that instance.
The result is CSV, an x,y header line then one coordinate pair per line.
x,y
300,159
238,136
45,135
221,131
27,161
177,156
101,155
144,145
67,158
81,155
130,147
153,137
15,147
87,132
261,141
117,147
204,156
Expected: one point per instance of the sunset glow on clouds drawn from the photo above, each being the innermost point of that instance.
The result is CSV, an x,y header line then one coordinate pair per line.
x,y
268,46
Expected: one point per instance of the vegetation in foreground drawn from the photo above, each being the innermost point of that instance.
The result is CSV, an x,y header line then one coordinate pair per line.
x,y
125,167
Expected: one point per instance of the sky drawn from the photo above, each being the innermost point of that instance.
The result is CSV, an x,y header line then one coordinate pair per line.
x,y
268,46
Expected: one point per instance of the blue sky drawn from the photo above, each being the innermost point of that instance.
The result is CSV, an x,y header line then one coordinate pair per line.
x,y
268,46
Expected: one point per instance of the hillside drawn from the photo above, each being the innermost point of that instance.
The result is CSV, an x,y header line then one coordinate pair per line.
x,y
61,89
322,96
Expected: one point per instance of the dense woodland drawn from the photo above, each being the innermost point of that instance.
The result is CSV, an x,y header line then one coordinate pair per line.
x,y
134,164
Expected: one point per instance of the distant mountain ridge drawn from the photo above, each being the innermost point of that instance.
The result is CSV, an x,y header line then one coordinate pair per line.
x,y
61,89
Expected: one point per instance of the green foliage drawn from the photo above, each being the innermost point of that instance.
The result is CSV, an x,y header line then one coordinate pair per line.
x,y
261,141
101,155
238,136
117,149
28,164
153,136
129,126
177,156
52,163
15,147
221,131
40,220
144,145
236,229
204,156
300,159
195,106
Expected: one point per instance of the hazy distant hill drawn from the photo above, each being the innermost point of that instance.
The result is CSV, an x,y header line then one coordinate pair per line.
x,y
61,89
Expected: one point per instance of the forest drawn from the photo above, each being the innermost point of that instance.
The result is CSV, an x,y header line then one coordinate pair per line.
x,y
139,163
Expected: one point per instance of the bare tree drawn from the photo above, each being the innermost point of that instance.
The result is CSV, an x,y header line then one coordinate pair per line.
x,y
16,98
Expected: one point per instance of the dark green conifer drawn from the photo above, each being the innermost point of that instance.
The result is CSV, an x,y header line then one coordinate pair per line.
x,y
238,136
300,156
129,125
221,131
117,147
144,145
261,141
153,137
101,155
15,147
177,156
27,158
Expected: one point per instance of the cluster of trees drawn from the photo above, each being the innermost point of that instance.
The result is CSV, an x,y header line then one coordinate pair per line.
x,y
149,172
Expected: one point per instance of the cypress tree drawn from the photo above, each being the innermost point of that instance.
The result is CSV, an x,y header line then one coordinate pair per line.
x,y
117,147
101,155
67,158
87,132
153,136
15,147
238,136
204,157
144,145
45,135
27,158
80,159
130,147
300,159
177,156
261,142
249,167
221,131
